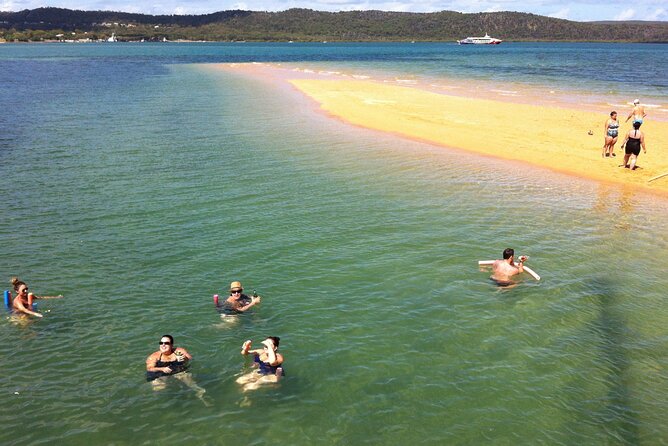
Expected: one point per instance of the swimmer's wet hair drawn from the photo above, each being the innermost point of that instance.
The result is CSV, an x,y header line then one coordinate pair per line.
x,y
508,253
171,338
636,125
16,283
275,339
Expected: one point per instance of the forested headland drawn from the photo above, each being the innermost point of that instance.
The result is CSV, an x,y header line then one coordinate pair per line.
x,y
305,25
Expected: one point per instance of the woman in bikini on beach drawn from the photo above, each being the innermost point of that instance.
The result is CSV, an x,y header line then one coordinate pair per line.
x,y
611,133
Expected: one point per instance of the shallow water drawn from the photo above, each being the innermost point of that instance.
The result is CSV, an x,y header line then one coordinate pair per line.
x,y
138,187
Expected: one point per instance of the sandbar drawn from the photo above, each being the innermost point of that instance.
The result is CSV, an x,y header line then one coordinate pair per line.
x,y
547,136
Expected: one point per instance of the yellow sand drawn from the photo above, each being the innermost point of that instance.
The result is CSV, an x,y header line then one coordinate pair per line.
x,y
551,137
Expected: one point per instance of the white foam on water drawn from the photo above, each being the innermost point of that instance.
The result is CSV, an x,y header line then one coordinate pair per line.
x,y
504,91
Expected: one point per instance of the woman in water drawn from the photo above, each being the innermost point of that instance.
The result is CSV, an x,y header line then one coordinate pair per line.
x,y
170,361
611,133
269,364
22,303
634,139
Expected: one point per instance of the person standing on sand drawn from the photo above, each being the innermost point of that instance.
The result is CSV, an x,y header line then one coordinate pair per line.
x,y
634,139
503,270
611,132
638,113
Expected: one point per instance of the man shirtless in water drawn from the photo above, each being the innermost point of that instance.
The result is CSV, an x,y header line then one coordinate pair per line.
x,y
504,269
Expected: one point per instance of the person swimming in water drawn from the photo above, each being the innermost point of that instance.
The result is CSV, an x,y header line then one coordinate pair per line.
x,y
504,270
170,361
23,302
268,361
238,302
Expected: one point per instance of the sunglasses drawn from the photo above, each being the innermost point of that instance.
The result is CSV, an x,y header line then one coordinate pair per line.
x,y
25,290
236,291
164,343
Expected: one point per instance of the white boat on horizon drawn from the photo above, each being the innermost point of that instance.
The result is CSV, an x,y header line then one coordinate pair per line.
x,y
487,40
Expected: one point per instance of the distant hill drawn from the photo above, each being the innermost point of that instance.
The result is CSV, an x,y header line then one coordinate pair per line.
x,y
308,25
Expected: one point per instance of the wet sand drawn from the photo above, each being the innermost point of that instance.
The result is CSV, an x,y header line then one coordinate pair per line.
x,y
547,136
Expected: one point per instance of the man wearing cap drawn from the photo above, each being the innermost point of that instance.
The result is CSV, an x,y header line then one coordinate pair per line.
x,y
239,301
638,112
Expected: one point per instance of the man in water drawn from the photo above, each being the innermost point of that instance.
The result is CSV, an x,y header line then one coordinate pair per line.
x,y
504,269
239,302
638,112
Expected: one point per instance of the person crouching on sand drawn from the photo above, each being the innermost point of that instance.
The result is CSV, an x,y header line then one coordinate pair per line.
x,y
269,364
611,132
634,139
503,270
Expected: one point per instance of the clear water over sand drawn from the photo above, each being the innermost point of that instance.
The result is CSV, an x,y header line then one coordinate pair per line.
x,y
138,186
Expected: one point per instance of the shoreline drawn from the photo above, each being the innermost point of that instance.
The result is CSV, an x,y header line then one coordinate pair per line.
x,y
545,135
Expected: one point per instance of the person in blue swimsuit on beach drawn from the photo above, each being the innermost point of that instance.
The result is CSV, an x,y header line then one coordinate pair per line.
x,y
638,113
268,361
611,133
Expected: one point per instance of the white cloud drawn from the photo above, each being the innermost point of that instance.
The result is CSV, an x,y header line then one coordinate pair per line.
x,y
561,14
659,14
627,14
493,8
241,5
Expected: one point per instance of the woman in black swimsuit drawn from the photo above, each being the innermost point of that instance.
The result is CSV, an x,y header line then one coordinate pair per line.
x,y
634,139
170,361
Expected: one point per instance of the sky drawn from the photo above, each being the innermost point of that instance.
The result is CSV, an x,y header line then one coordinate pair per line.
x,y
583,11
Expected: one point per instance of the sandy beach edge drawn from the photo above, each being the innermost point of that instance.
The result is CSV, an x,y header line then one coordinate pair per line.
x,y
536,134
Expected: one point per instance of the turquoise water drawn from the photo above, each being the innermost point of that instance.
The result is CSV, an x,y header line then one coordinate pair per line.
x,y
138,184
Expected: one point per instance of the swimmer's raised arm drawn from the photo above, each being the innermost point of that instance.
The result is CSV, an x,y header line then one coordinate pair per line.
x,y
245,349
254,301
60,296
